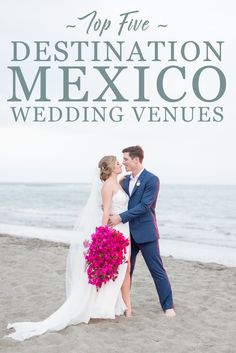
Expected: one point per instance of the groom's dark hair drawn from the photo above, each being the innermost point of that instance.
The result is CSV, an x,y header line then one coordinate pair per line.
x,y
134,151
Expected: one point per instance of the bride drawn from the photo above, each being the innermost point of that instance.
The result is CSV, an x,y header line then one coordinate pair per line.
x,y
83,301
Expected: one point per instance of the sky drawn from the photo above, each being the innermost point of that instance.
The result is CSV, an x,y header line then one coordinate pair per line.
x,y
178,152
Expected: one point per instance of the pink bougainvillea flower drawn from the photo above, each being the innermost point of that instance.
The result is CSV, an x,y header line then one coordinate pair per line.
x,y
105,253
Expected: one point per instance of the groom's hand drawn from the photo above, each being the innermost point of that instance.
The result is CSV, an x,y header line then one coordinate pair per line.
x,y
114,220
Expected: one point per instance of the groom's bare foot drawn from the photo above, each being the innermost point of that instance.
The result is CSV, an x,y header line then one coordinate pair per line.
x,y
170,313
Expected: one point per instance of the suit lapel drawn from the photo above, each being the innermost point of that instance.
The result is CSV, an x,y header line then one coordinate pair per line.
x,y
140,179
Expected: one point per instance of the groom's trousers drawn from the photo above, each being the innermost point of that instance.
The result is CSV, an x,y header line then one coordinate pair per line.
x,y
151,255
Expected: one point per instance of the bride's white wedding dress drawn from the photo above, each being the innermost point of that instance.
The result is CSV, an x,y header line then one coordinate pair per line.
x,y
83,300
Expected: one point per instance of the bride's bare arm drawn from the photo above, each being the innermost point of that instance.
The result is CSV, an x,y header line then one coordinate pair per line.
x,y
106,202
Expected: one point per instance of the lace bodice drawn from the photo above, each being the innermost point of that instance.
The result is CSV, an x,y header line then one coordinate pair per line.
x,y
119,202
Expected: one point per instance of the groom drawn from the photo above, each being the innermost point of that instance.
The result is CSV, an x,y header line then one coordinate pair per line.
x,y
142,188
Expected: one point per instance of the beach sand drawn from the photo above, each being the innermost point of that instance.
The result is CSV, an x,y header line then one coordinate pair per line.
x,y
33,286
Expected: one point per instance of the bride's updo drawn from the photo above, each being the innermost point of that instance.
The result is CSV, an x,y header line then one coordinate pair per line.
x,y
106,165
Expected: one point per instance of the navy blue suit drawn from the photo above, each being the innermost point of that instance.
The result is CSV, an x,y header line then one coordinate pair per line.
x,y
144,231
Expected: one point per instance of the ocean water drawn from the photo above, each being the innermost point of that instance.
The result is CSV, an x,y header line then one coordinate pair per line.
x,y
200,214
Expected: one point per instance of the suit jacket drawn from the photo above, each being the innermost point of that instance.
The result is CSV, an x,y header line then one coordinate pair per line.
x,y
141,207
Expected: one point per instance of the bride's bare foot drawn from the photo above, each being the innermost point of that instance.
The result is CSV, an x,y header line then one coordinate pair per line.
x,y
170,313
128,312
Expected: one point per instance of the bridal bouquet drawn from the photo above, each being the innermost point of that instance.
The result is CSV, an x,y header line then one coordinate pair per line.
x,y
105,252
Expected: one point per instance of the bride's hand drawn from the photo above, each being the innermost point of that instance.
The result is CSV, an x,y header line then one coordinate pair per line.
x,y
114,220
109,223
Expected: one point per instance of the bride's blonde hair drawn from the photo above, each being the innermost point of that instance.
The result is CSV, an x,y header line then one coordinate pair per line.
x,y
106,165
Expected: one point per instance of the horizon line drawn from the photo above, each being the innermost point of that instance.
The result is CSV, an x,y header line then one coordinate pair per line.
x,y
85,182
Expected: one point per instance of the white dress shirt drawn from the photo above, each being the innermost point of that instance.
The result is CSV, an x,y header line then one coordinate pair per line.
x,y
133,181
